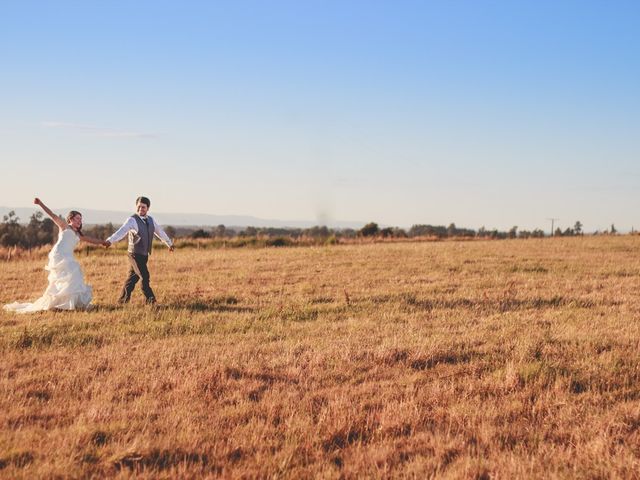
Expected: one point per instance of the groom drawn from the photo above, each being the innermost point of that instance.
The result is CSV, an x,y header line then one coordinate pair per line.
x,y
140,228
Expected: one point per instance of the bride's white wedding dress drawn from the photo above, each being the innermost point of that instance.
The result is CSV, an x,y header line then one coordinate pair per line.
x,y
66,290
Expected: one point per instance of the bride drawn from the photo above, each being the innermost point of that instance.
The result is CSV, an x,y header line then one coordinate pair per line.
x,y
66,289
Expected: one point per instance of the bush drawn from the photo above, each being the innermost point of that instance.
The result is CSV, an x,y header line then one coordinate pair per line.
x,y
200,234
278,242
369,230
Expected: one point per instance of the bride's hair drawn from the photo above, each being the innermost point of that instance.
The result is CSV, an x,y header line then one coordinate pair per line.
x,y
72,214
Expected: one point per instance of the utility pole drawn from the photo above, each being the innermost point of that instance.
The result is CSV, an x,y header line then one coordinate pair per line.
x,y
552,222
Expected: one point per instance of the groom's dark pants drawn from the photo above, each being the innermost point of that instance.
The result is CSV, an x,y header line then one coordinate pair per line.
x,y
137,271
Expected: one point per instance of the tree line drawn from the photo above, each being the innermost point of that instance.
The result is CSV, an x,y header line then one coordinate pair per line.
x,y
39,231
42,231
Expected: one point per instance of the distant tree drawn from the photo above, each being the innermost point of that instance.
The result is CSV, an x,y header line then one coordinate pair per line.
x,y
48,229
348,233
30,232
428,231
317,232
386,232
249,232
170,231
99,231
558,232
219,231
399,233
11,218
577,228
536,233
200,233
513,232
38,231
613,230
11,232
498,235
279,232
369,230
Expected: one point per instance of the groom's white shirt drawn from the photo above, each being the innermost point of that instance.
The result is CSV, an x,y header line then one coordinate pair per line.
x,y
131,224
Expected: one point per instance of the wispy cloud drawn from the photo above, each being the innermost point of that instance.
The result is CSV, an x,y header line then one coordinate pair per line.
x,y
96,131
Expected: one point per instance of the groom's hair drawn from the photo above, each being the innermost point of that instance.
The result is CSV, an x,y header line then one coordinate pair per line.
x,y
144,200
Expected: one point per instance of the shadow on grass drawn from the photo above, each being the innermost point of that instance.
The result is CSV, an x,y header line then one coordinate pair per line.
x,y
160,460
106,307
501,304
203,306
215,304
225,304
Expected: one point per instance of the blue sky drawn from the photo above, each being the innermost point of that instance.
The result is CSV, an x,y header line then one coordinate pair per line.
x,y
493,113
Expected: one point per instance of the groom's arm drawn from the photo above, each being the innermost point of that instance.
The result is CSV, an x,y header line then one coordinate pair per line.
x,y
122,232
162,235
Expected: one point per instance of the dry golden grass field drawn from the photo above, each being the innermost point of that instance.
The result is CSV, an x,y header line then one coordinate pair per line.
x,y
504,359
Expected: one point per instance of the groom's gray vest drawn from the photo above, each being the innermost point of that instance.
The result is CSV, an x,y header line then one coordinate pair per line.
x,y
142,242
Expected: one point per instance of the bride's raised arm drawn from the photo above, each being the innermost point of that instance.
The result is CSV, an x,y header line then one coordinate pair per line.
x,y
56,219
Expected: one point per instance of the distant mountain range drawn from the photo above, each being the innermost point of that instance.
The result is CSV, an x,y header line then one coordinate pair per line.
x,y
181,219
